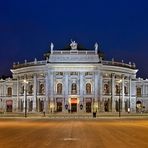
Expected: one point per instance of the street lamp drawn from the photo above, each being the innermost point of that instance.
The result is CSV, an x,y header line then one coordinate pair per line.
x,y
119,97
25,96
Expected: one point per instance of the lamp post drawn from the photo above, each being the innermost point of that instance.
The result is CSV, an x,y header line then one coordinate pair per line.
x,y
119,97
25,97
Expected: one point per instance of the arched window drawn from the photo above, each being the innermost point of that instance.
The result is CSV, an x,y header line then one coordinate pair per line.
x,y
125,90
88,88
41,89
30,89
22,90
138,91
59,88
9,91
74,88
106,89
117,89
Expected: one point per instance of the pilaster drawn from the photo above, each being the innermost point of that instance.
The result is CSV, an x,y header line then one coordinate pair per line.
x,y
96,84
35,93
130,92
100,92
123,101
51,84
113,92
81,86
17,89
46,92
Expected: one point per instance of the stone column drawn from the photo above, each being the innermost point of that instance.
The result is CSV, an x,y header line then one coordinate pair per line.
x,y
123,101
46,92
101,92
18,105
81,89
25,97
51,90
113,92
35,93
146,90
96,90
129,92
66,90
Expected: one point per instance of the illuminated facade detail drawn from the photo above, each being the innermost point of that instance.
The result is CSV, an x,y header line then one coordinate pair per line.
x,y
74,80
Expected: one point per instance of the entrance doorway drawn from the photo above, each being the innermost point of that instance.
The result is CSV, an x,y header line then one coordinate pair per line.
x,y
138,106
41,105
30,105
106,105
73,107
88,107
73,104
59,106
9,105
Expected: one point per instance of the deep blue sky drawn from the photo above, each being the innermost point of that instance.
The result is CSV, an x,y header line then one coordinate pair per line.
x,y
28,26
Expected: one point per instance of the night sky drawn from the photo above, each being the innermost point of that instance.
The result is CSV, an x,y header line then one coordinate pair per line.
x,y
28,26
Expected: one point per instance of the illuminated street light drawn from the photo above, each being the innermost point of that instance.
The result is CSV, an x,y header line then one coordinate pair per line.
x,y
25,96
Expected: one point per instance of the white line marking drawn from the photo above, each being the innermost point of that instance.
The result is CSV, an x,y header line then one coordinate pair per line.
x,y
70,139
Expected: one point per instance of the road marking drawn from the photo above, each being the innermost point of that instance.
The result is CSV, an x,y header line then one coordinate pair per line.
x,y
71,139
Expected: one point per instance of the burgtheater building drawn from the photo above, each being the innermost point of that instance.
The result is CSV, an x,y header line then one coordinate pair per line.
x,y
73,80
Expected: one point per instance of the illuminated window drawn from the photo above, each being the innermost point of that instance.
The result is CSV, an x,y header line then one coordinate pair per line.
x,y
30,89
138,91
106,88
73,88
59,88
117,89
41,89
125,90
9,91
88,88
22,89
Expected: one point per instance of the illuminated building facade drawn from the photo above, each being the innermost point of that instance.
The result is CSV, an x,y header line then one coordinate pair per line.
x,y
73,80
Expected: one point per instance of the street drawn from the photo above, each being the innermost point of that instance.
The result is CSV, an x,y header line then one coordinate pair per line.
x,y
73,133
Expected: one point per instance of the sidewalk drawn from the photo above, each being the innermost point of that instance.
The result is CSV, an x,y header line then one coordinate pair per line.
x,y
75,115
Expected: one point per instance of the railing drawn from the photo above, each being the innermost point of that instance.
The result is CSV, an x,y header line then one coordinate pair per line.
x,y
73,52
26,64
121,64
36,63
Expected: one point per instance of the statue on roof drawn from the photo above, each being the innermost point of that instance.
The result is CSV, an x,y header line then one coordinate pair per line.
x,y
73,45
51,47
96,47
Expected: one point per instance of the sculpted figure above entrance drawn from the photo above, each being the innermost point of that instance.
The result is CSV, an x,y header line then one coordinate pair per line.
x,y
73,45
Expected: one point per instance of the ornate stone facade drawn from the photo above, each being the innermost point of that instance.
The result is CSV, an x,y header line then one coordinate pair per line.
x,y
73,80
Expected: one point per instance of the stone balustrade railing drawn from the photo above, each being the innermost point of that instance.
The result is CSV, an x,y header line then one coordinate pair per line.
x,y
36,63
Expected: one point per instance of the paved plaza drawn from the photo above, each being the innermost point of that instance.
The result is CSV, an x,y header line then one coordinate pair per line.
x,y
73,133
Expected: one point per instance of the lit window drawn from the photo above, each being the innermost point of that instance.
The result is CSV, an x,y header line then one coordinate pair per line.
x,y
106,89
59,88
41,89
30,89
138,91
9,91
88,88
73,88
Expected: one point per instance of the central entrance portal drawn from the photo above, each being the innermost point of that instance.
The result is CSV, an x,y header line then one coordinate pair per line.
x,y
73,104
73,107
